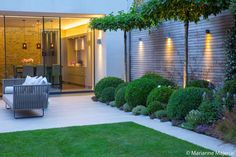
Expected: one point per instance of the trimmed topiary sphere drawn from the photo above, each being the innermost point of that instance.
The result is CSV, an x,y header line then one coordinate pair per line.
x,y
106,82
154,106
120,86
161,94
210,111
158,79
230,87
137,92
120,97
182,101
108,94
200,84
140,110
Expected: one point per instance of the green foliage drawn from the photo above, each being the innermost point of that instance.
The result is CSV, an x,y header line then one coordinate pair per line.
x,y
127,107
193,119
210,111
140,110
112,104
106,82
161,94
182,101
154,106
120,86
182,10
120,97
161,114
230,52
160,81
226,128
108,94
123,21
200,84
137,91
230,87
233,6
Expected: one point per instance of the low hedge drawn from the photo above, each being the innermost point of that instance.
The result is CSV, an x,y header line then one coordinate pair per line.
x,y
106,82
140,110
120,97
108,94
161,94
137,91
182,101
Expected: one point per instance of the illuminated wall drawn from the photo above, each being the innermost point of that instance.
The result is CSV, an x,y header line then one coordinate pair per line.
x,y
163,49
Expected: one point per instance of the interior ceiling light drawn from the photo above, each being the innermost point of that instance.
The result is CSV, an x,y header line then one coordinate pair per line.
x,y
76,24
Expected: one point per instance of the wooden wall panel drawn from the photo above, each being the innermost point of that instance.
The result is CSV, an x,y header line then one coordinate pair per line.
x,y
155,52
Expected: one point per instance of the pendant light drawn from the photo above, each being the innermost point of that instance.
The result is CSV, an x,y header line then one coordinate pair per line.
x,y
24,45
38,45
51,35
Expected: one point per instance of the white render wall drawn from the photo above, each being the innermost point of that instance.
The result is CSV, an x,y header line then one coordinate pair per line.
x,y
112,62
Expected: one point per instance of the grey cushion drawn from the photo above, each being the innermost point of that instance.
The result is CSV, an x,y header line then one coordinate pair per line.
x,y
9,90
8,98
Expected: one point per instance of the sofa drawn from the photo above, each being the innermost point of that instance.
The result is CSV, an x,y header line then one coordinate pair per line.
x,y
20,95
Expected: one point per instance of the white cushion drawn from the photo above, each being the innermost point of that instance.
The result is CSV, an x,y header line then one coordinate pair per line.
x,y
8,89
44,81
29,80
38,80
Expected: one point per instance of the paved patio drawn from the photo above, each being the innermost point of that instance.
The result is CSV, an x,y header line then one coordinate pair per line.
x,y
77,110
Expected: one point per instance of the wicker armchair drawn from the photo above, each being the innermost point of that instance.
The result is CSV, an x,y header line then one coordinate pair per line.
x,y
25,97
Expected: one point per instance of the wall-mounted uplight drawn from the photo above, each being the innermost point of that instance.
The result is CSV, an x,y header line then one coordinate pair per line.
x,y
168,36
140,39
208,31
99,41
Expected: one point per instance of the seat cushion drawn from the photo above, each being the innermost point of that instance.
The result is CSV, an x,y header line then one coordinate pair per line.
x,y
8,98
9,90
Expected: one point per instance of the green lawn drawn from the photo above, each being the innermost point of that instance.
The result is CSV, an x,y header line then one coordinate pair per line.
x,y
111,140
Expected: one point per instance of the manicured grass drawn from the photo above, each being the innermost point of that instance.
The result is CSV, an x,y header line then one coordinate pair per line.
x,y
111,140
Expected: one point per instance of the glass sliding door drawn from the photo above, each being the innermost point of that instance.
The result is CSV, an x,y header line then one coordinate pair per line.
x,y
2,52
23,45
51,51
77,57
61,49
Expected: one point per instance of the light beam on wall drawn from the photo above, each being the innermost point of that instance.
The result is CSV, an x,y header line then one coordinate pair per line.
x,y
208,55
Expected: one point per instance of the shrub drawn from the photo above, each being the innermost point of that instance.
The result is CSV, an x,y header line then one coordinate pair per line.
x,y
120,97
200,84
137,92
158,79
210,111
230,87
140,110
193,119
182,101
127,108
112,104
106,82
154,106
120,86
166,82
161,114
161,94
108,94
226,128
230,45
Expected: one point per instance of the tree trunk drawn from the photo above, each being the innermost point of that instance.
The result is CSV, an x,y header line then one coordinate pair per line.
x,y
125,55
185,76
